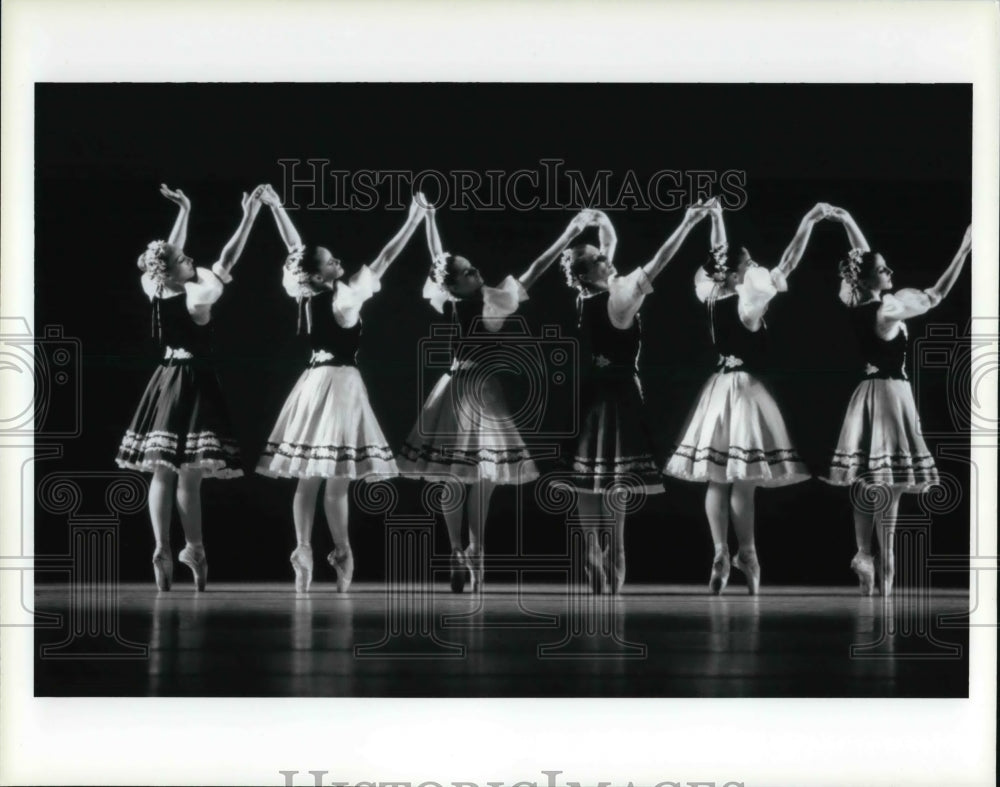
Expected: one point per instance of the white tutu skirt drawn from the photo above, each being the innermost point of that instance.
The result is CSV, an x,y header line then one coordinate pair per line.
x,y
465,430
880,441
327,429
736,433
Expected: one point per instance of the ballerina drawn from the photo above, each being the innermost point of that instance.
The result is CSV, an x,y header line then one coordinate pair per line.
x,y
181,431
613,450
880,442
326,430
735,437
465,429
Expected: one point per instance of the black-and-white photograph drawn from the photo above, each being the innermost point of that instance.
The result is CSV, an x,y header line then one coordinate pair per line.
x,y
525,403
443,394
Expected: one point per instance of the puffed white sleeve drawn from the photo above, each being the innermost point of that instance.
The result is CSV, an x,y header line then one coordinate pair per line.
x,y
350,297
502,301
148,285
907,303
626,296
758,289
205,290
703,285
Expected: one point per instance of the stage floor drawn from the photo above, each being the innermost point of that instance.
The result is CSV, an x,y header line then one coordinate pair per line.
x,y
261,640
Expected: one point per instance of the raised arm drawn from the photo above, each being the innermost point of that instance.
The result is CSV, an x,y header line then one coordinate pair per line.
x,y
234,248
286,229
400,239
718,237
606,234
178,235
692,216
951,274
433,238
547,257
793,254
855,237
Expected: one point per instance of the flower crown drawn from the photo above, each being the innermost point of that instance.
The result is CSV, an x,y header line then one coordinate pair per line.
x,y
297,273
720,254
439,269
850,274
154,261
566,262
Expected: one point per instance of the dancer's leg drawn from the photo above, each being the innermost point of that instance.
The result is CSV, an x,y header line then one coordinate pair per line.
x,y
161,505
189,507
477,507
303,515
885,529
335,508
717,511
590,509
741,505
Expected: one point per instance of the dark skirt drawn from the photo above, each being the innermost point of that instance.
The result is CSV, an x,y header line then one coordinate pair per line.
x,y
182,422
614,447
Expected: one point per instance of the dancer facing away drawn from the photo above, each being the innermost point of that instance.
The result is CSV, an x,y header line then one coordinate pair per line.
x,y
614,451
735,437
880,443
465,431
181,431
326,430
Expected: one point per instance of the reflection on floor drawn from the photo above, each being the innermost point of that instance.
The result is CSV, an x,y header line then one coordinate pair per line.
x,y
653,641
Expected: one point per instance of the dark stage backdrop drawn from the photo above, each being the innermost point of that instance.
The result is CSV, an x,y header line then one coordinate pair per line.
x,y
897,156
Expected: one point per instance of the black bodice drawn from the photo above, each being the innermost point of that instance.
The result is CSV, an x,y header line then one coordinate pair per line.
x,y
882,359
178,330
463,313
611,349
327,336
732,339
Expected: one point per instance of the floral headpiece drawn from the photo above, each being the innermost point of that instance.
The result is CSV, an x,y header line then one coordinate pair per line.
x,y
297,279
720,254
435,289
154,262
566,261
850,275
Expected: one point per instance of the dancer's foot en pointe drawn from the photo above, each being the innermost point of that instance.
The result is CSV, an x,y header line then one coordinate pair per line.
x,y
720,571
614,569
194,558
474,558
459,570
864,566
343,563
163,569
748,564
302,563
593,570
888,572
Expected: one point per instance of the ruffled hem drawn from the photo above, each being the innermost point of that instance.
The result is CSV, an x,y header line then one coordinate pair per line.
x,y
212,468
366,470
484,464
720,476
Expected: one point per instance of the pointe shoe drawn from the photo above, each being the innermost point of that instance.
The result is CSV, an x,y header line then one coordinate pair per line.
x,y
163,569
475,563
614,570
459,571
720,572
302,563
864,566
343,564
593,570
194,558
751,567
888,574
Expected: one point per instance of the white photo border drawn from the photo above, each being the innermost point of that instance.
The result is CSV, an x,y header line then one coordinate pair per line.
x,y
248,741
